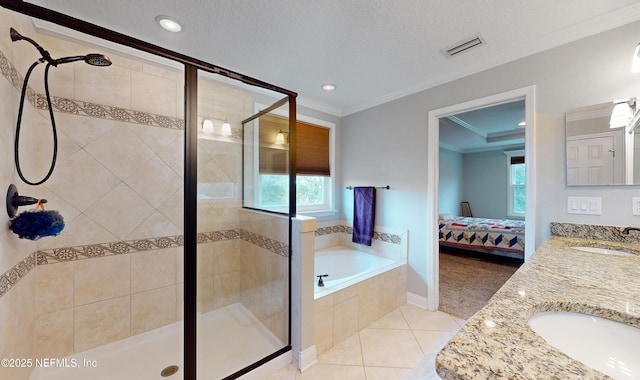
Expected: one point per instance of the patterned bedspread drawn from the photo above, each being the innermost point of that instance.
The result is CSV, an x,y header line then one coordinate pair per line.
x,y
484,234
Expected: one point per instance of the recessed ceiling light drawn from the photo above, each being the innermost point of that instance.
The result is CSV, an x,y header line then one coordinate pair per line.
x,y
328,87
522,123
169,23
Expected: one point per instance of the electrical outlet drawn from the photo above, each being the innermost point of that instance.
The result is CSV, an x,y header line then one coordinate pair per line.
x,y
635,205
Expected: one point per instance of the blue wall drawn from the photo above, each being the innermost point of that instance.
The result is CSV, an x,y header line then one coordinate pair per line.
x,y
450,183
485,183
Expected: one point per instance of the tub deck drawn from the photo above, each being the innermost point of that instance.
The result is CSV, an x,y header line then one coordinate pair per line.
x,y
346,267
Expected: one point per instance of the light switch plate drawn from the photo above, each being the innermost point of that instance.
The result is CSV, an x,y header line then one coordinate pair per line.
x,y
586,205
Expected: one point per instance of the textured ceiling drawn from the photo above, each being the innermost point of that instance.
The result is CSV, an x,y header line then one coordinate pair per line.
x,y
489,128
373,50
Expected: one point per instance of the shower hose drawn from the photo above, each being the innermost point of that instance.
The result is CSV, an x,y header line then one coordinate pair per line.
x,y
19,122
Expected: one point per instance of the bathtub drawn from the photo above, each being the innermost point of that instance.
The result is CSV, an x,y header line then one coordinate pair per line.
x,y
346,266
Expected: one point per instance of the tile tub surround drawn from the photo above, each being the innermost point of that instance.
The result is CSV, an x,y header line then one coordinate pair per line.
x,y
497,342
387,242
349,310
339,315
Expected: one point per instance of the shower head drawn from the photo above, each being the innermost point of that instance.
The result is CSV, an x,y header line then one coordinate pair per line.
x,y
92,59
15,36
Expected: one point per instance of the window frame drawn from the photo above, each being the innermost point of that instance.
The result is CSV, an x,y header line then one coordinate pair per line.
x,y
328,207
511,187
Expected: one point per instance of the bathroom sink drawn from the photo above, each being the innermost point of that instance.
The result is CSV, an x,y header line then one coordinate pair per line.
x,y
604,251
605,345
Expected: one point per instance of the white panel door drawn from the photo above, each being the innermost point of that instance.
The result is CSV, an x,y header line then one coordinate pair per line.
x,y
590,161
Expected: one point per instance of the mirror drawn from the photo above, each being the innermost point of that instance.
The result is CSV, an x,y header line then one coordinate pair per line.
x,y
597,154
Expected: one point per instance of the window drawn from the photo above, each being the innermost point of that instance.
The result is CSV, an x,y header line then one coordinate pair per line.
x,y
313,193
314,181
516,176
314,171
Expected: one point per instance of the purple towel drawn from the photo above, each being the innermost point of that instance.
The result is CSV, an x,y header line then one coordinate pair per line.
x,y
364,207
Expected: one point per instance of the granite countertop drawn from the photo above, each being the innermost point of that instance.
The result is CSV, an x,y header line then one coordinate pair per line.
x,y
497,342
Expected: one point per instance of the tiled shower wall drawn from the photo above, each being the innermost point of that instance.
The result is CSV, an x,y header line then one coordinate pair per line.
x,y
17,311
264,274
85,303
116,270
118,179
88,302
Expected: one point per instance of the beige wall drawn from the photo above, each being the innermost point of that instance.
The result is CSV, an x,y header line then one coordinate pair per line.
x,y
17,311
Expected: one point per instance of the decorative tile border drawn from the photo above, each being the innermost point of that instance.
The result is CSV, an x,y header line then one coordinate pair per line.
x,y
85,108
9,71
65,254
100,111
382,236
334,230
274,246
58,255
110,113
11,277
208,237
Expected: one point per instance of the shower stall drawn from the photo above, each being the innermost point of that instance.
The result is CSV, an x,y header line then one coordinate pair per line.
x,y
176,187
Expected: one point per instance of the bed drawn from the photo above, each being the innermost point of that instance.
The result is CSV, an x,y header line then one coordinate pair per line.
x,y
502,237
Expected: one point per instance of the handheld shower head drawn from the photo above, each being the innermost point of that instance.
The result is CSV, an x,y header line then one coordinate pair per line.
x,y
92,59
97,60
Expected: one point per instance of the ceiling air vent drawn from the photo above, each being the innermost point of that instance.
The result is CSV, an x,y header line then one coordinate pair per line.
x,y
464,45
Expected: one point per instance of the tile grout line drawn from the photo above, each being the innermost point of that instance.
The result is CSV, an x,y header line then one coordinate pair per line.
x,y
364,367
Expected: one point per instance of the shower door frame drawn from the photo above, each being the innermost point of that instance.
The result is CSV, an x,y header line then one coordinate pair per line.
x,y
191,67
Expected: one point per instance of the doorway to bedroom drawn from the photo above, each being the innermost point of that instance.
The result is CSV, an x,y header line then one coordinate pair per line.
x,y
481,204
481,175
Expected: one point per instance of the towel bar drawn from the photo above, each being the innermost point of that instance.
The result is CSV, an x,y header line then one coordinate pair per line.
x,y
377,187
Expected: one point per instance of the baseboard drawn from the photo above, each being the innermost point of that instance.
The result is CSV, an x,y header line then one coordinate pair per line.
x,y
417,300
306,358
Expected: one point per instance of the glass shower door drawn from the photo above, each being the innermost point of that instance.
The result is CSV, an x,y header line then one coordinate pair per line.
x,y
242,253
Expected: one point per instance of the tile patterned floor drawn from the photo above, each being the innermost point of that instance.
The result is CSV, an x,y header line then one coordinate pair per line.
x,y
401,345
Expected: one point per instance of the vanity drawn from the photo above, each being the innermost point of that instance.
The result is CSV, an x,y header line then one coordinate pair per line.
x,y
562,276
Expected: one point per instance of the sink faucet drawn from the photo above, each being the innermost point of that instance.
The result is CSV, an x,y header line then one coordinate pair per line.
x,y
320,282
626,230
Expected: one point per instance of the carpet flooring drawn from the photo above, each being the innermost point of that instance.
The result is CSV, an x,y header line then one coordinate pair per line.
x,y
467,284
